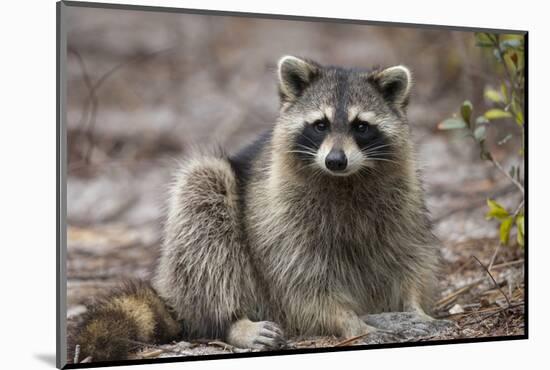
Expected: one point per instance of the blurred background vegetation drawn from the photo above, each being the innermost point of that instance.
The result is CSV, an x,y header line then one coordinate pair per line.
x,y
506,103
144,88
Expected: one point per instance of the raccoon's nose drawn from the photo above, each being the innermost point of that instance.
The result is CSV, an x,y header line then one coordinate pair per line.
x,y
336,160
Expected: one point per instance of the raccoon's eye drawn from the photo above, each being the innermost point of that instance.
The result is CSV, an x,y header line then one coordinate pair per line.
x,y
320,125
361,126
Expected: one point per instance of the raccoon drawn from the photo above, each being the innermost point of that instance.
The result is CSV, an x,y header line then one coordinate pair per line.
x,y
319,222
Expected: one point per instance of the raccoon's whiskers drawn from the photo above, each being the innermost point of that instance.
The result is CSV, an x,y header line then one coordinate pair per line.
x,y
304,147
382,159
301,152
311,141
376,150
316,173
378,154
374,147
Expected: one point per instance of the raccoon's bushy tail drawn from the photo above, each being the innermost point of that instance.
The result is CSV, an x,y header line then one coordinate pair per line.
x,y
119,322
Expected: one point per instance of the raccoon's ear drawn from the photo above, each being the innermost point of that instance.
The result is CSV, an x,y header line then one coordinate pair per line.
x,y
295,75
395,85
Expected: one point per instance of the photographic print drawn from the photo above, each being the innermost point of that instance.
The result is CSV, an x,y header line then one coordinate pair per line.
x,y
252,184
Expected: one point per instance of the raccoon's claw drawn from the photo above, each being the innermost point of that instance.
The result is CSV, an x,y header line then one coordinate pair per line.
x,y
269,336
261,335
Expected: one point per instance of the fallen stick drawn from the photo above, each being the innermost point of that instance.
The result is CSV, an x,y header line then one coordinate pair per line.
x,y
448,299
218,343
505,264
350,340
152,354
494,281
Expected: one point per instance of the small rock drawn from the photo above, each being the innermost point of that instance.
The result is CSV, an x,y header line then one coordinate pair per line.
x,y
403,326
456,309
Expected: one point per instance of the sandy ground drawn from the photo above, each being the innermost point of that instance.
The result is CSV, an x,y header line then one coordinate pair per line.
x,y
145,88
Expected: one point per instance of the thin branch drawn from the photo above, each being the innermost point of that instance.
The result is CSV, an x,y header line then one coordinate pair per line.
x,y
514,181
510,263
494,281
157,347
351,340
445,301
520,206
494,256
92,103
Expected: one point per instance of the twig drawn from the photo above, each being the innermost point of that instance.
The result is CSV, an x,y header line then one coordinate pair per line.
x,y
93,100
494,256
505,264
142,344
350,340
487,310
152,354
92,103
518,209
219,343
491,314
514,181
446,300
494,281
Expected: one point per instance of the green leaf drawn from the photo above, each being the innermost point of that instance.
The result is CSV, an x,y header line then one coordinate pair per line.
x,y
466,111
504,92
518,174
493,95
505,227
480,133
452,124
510,44
496,211
521,239
481,120
517,111
519,118
496,113
511,62
484,44
483,40
521,230
512,171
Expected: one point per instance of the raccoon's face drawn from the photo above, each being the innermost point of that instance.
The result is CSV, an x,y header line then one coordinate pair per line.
x,y
341,121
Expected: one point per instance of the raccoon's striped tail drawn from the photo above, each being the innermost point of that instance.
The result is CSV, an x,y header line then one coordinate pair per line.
x,y
116,324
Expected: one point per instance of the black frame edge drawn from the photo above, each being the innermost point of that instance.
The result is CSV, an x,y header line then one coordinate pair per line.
x,y
61,144
292,352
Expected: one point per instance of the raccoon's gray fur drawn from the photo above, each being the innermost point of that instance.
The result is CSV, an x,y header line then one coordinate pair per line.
x,y
319,222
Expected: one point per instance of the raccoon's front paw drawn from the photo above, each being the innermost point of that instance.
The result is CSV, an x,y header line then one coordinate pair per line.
x,y
262,335
268,336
